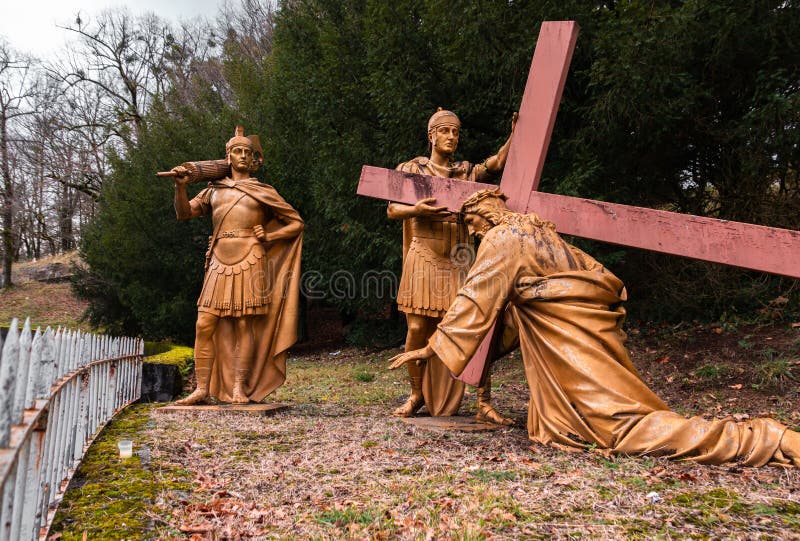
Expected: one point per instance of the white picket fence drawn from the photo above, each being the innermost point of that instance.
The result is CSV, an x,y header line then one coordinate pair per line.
x,y
57,391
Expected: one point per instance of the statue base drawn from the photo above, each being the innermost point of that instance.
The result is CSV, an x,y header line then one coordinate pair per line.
x,y
451,424
247,409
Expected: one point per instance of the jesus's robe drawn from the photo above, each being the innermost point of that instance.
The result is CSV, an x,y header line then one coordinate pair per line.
x,y
584,389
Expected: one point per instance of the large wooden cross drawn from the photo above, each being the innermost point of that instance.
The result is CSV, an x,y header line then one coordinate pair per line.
x,y
761,248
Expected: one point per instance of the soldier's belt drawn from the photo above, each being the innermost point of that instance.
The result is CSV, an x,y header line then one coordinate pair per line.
x,y
236,233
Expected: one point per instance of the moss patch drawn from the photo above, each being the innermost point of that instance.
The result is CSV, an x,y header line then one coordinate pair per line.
x,y
167,353
113,498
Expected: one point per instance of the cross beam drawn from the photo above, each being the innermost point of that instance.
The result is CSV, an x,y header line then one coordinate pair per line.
x,y
537,112
755,247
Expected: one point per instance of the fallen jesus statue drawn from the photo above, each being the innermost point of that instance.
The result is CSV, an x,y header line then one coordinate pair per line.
x,y
565,311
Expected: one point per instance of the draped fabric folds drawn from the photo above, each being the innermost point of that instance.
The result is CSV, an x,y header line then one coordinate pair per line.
x,y
584,389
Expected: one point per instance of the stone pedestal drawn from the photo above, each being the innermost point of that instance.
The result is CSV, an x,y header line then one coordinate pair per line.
x,y
451,424
246,409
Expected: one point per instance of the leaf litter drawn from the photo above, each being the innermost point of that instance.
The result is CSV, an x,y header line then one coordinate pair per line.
x,y
336,465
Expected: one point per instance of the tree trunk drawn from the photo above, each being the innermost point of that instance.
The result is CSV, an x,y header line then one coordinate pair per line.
x,y
66,212
8,203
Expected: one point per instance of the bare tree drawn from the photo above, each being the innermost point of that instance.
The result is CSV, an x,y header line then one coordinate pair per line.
x,y
194,63
248,27
15,92
80,142
121,58
53,168
110,76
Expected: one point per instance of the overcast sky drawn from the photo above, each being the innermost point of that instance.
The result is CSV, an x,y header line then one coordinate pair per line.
x,y
30,25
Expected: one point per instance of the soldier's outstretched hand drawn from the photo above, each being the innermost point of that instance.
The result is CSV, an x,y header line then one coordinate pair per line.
x,y
424,207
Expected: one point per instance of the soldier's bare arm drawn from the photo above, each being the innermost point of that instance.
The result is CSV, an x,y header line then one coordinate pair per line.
x,y
495,164
288,231
184,209
424,207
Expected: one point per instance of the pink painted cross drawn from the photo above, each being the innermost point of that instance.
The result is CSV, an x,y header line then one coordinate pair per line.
x,y
766,249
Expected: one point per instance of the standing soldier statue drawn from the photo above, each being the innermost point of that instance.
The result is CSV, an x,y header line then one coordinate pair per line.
x,y
248,307
434,268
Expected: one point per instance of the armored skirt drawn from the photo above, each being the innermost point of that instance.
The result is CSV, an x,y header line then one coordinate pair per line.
x,y
237,288
434,267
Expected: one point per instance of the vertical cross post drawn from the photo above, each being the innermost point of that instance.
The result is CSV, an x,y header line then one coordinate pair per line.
x,y
537,116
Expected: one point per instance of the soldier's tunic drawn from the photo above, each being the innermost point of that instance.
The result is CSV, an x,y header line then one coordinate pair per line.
x,y
237,281
433,266
436,258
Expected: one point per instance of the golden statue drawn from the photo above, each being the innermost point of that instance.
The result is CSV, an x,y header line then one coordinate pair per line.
x,y
247,310
566,314
434,267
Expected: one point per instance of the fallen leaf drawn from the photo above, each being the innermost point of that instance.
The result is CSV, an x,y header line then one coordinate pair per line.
x,y
687,477
735,386
200,528
502,515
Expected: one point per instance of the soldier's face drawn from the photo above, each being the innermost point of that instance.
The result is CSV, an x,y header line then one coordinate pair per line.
x,y
444,138
241,158
477,225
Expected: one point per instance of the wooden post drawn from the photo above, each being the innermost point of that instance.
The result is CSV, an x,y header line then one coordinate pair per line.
x,y
47,365
7,502
31,508
20,488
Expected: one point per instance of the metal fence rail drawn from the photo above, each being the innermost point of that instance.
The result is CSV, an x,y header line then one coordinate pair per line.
x,y
57,390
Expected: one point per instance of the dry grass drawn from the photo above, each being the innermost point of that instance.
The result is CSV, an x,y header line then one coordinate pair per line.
x,y
20,269
46,304
336,466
